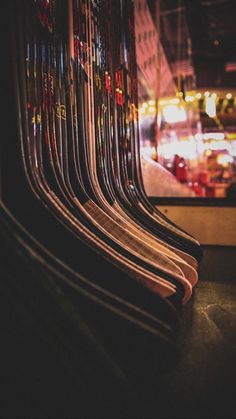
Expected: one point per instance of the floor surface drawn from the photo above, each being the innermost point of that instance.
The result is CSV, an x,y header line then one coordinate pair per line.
x,y
204,383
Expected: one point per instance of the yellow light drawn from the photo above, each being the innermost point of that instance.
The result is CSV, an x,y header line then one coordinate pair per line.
x,y
174,113
207,94
174,101
151,102
184,149
229,96
162,102
208,152
189,98
210,107
224,159
151,109
169,101
144,105
179,94
198,95
214,136
231,136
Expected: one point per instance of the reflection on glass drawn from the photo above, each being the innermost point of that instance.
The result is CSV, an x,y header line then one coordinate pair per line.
x,y
201,158
187,117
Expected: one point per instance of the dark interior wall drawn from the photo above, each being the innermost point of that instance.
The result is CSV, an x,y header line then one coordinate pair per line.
x,y
218,264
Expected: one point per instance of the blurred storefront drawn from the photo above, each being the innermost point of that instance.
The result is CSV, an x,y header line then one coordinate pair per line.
x,y
188,131
197,143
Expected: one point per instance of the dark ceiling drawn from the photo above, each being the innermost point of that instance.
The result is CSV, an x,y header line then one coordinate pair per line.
x,y
211,26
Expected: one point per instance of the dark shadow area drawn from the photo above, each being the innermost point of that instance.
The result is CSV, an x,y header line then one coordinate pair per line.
x,y
203,385
218,264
